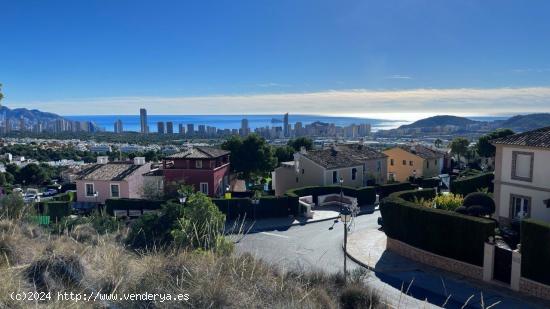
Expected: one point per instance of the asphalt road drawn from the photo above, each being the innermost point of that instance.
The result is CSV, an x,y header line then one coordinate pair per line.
x,y
315,246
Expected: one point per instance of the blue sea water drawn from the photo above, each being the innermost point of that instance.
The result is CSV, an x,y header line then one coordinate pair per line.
x,y
132,122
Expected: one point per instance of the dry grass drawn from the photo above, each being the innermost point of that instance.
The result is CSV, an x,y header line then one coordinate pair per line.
x,y
84,261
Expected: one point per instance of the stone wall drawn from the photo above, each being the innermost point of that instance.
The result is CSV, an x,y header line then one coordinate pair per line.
x,y
431,259
534,288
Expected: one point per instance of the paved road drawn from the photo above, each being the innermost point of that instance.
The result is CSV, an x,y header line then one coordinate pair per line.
x,y
317,246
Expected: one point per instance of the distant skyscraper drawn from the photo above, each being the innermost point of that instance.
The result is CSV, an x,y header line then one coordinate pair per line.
x,y
181,128
286,131
143,120
160,127
298,129
169,127
245,130
118,126
202,129
190,129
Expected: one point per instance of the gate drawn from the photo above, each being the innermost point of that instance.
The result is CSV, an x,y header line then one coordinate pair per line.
x,y
503,265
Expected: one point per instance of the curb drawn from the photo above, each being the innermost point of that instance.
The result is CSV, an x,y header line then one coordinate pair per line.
x,y
357,261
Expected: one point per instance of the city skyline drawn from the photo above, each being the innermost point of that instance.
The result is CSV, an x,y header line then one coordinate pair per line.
x,y
353,58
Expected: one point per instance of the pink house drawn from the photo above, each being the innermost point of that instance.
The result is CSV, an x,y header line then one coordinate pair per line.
x,y
106,180
205,168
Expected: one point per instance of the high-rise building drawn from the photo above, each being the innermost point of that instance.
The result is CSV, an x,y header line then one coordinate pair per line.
x,y
286,131
169,127
202,129
160,127
181,128
143,120
190,129
118,126
245,130
298,129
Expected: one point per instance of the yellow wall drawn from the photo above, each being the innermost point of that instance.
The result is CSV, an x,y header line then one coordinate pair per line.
x,y
403,172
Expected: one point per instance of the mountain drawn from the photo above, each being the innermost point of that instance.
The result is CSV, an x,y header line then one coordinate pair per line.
x,y
30,115
529,122
443,120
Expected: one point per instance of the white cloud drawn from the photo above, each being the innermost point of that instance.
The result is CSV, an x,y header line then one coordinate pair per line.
x,y
398,76
467,101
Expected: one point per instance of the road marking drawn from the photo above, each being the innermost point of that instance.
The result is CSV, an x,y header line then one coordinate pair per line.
x,y
276,235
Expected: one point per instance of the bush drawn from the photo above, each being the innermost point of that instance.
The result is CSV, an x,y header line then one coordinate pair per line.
x,y
442,232
480,199
462,210
354,296
131,204
535,251
56,272
12,206
68,196
467,185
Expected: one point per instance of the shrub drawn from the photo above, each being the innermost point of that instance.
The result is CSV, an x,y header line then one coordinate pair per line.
x,y
68,196
462,210
535,251
56,272
201,224
355,296
442,232
467,185
12,206
480,199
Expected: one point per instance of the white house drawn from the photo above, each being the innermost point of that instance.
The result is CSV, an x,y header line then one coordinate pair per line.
x,y
522,176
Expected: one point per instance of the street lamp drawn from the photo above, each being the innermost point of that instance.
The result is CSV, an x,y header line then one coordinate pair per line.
x,y
345,217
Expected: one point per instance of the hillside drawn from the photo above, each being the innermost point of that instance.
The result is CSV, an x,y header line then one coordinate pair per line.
x,y
31,115
526,122
443,120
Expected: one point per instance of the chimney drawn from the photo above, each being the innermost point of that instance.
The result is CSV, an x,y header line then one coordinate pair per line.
x,y
139,161
102,160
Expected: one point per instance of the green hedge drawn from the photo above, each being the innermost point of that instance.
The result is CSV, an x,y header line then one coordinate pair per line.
x,y
535,250
365,195
57,209
131,204
268,207
467,185
439,231
387,189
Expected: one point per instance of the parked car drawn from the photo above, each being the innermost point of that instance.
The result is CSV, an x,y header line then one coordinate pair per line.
x,y
32,196
50,192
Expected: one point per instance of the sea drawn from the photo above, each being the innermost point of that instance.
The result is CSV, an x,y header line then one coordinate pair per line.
x,y
132,122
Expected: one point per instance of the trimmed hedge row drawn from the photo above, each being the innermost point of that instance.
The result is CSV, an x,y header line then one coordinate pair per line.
x,y
442,232
467,185
131,204
535,250
268,207
57,209
365,195
387,189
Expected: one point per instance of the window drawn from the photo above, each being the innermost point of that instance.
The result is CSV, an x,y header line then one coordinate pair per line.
x,y
204,187
353,173
427,164
334,177
522,166
90,189
404,162
391,162
198,164
115,190
379,166
520,206
411,163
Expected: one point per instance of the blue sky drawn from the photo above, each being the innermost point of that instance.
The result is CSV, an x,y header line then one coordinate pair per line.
x,y
329,57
